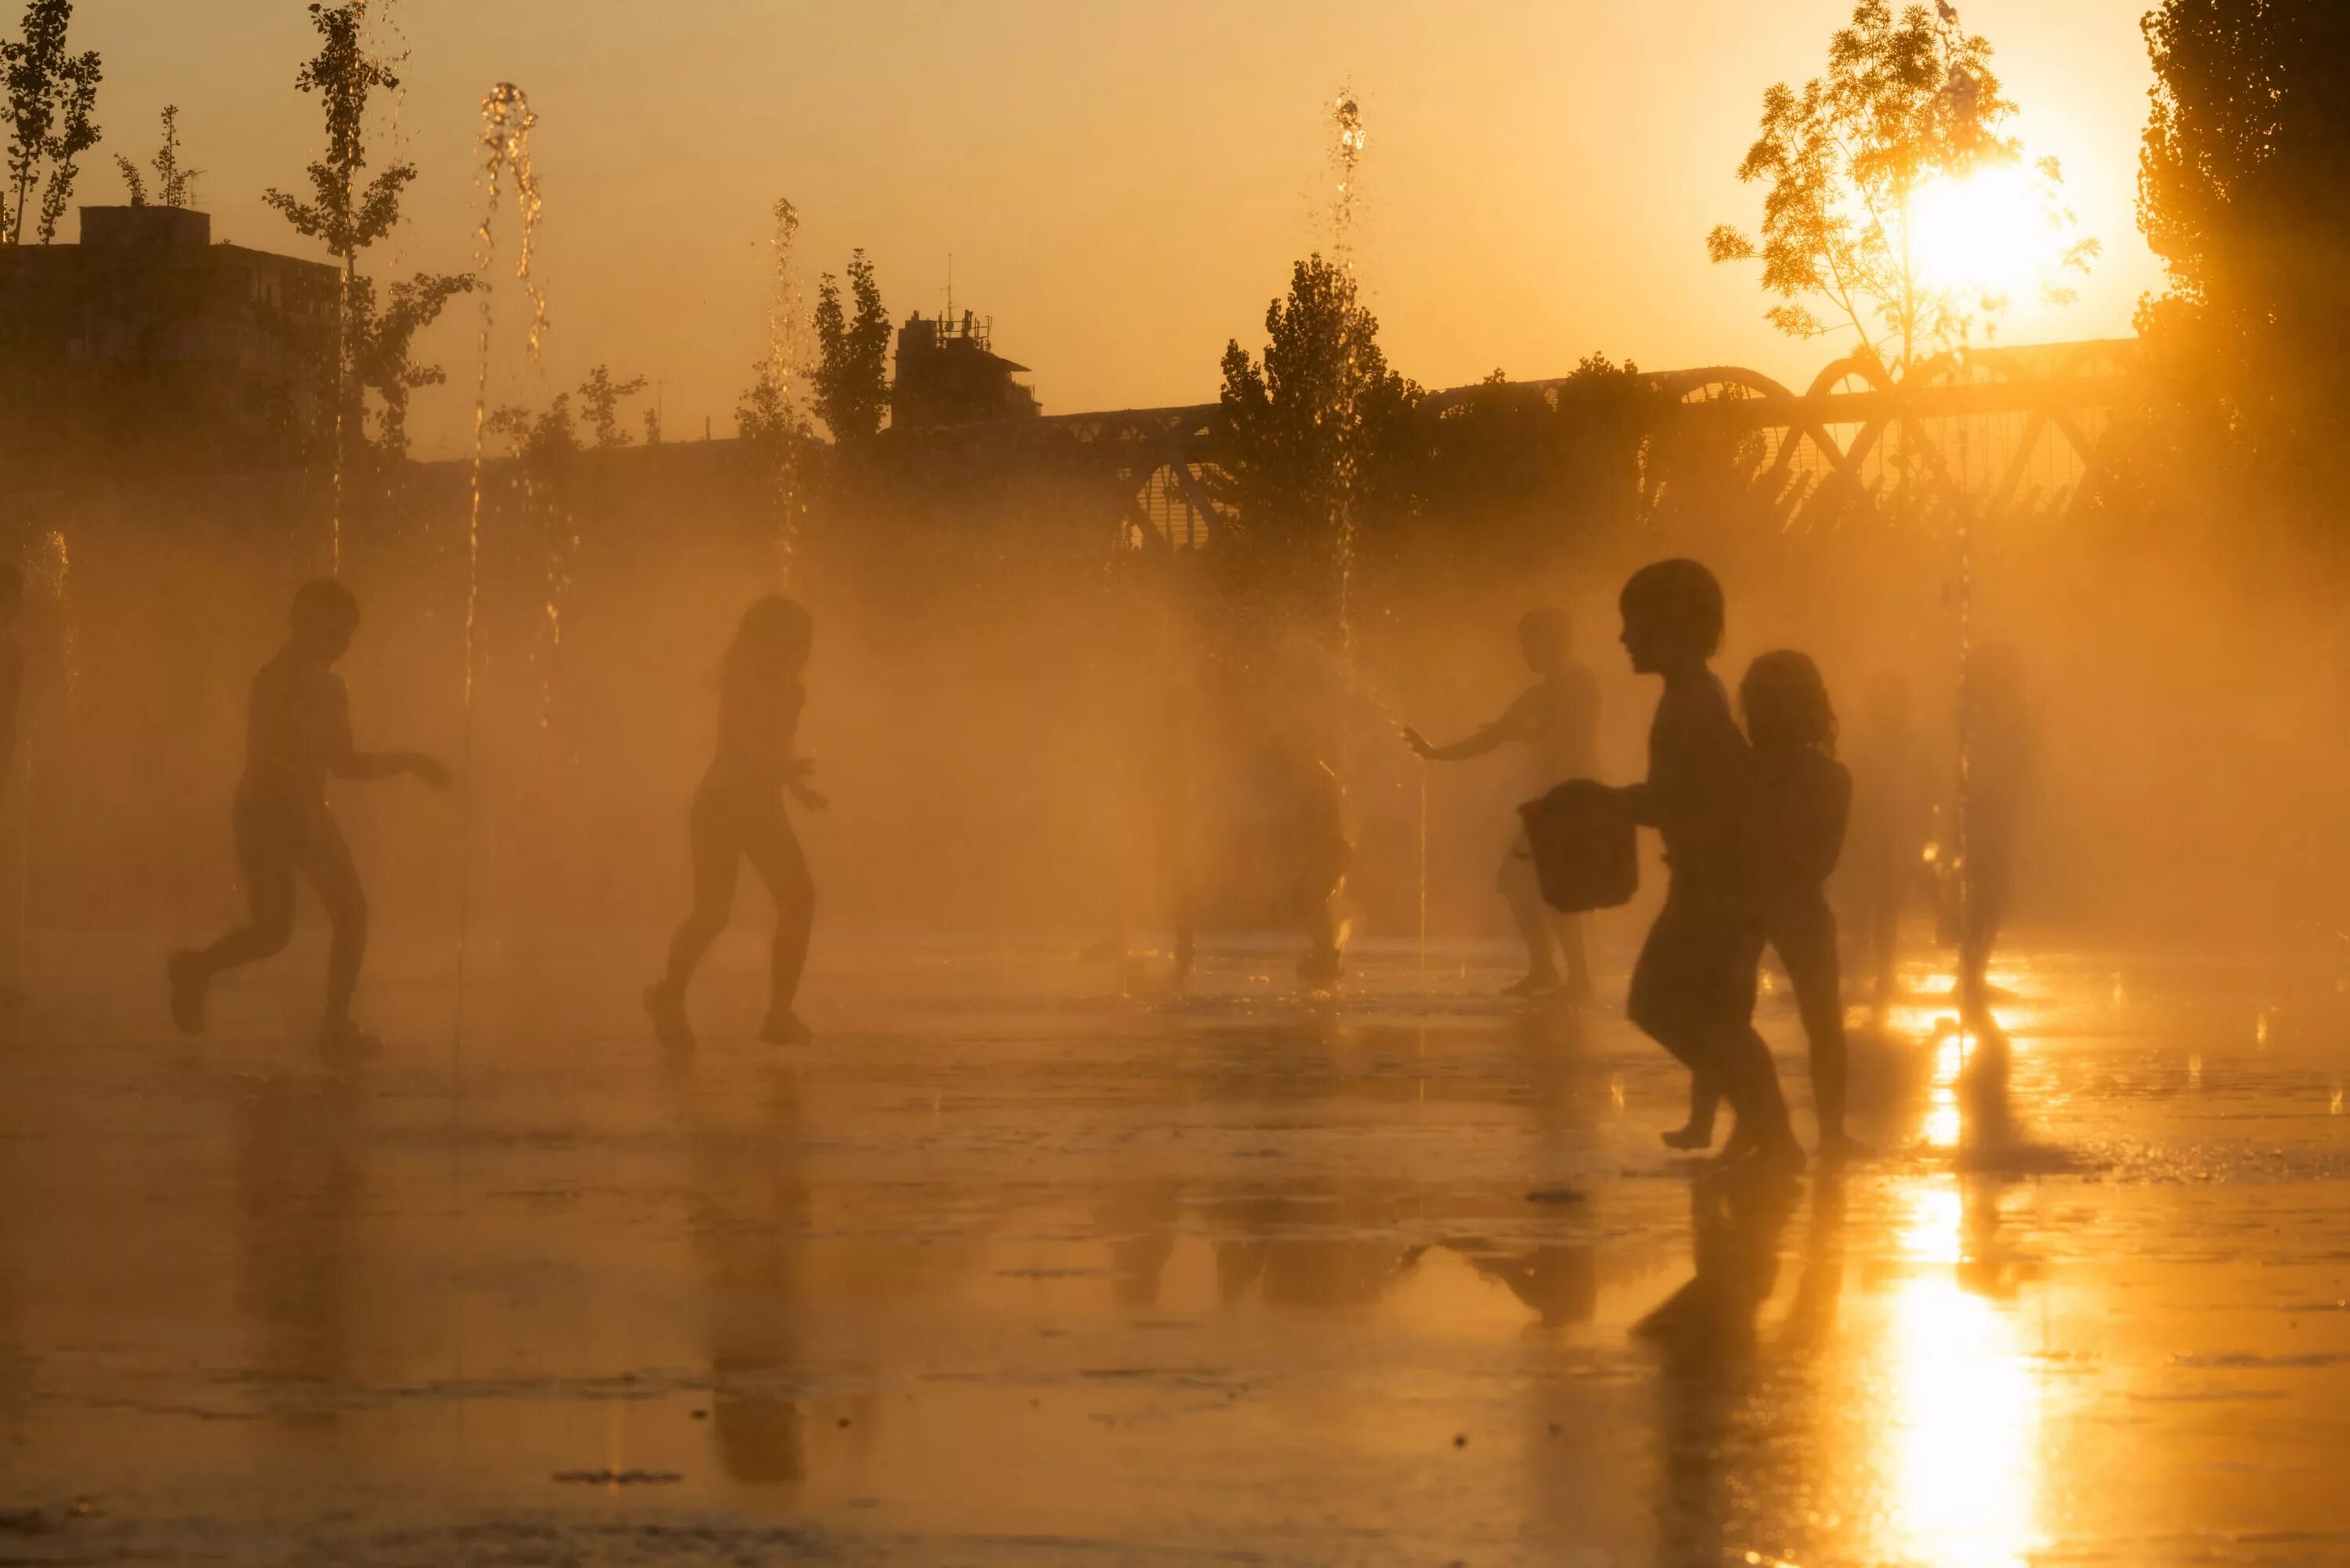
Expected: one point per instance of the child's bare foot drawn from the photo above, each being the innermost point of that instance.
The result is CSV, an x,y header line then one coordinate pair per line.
x,y
1537,983
666,1007
189,983
1690,1137
784,1028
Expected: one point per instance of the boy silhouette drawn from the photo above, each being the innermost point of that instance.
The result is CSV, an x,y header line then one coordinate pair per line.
x,y
297,733
1556,719
1693,988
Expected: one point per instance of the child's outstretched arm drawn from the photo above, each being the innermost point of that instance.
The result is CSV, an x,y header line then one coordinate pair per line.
x,y
347,761
1514,724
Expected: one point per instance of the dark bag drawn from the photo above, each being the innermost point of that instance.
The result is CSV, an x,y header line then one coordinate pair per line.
x,y
1585,849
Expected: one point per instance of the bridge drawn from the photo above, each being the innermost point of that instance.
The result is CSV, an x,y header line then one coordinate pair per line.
x,y
2009,428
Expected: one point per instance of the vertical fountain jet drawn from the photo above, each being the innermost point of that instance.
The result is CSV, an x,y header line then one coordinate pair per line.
x,y
785,317
505,151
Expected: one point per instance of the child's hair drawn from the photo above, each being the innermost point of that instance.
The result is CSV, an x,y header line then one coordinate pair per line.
x,y
1786,704
1684,596
773,637
322,605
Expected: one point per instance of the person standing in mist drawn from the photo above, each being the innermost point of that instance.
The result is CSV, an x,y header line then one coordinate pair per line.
x,y
1999,747
1891,822
738,815
298,733
1693,988
1556,719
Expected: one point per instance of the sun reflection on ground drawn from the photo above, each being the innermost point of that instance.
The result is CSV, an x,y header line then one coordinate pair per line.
x,y
1965,1407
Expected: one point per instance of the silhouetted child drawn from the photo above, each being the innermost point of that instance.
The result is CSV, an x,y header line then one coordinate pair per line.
x,y
1999,750
1803,800
738,815
1324,856
1891,821
298,733
1556,719
1693,987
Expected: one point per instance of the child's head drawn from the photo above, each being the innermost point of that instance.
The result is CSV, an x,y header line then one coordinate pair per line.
x,y
1544,635
1786,704
774,640
1672,615
325,618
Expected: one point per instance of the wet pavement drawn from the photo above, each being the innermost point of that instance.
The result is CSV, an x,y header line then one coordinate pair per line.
x,y
1006,1270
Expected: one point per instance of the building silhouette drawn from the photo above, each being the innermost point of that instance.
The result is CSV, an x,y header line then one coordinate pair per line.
x,y
949,374
148,344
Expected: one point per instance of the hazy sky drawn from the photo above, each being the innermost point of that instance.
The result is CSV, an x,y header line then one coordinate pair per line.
x,y
1122,186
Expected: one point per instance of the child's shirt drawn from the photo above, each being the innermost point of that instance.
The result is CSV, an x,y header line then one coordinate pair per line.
x,y
758,724
1557,721
1699,792
298,724
1802,803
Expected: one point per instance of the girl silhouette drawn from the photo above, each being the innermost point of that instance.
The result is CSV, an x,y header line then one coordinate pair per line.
x,y
738,815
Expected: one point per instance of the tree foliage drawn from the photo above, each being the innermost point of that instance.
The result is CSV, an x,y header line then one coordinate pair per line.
x,y
852,380
342,215
381,344
1312,428
1907,99
176,183
601,396
52,93
2241,193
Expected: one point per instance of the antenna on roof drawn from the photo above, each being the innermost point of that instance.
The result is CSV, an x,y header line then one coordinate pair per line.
x,y
949,314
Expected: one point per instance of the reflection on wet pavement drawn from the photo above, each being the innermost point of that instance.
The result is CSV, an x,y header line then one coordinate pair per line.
x,y
1002,1271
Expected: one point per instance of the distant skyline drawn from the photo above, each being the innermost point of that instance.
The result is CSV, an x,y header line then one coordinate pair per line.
x,y
1122,187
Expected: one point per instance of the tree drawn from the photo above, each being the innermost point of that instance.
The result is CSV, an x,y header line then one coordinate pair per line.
x,y
2240,192
176,186
381,347
1907,99
51,94
1313,430
851,380
342,216
602,396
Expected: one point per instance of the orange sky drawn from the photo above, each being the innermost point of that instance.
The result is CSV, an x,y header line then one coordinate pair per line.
x,y
1122,186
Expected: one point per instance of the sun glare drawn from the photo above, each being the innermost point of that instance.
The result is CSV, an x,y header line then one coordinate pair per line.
x,y
1984,234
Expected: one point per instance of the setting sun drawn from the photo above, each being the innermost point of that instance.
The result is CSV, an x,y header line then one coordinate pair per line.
x,y
1985,234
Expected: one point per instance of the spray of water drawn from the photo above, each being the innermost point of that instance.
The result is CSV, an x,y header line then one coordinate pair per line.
x,y
785,317
505,151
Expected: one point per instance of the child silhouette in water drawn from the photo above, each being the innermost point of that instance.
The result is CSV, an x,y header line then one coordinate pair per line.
x,y
1556,719
738,815
298,733
1803,800
1693,988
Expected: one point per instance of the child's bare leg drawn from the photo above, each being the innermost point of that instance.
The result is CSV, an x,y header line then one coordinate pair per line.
x,y
265,858
326,861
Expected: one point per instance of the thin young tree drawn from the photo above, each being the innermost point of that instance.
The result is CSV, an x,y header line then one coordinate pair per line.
x,y
175,183
601,397
345,214
1908,98
52,93
851,382
382,343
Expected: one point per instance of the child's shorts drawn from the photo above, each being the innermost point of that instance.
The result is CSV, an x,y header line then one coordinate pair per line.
x,y
1697,968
